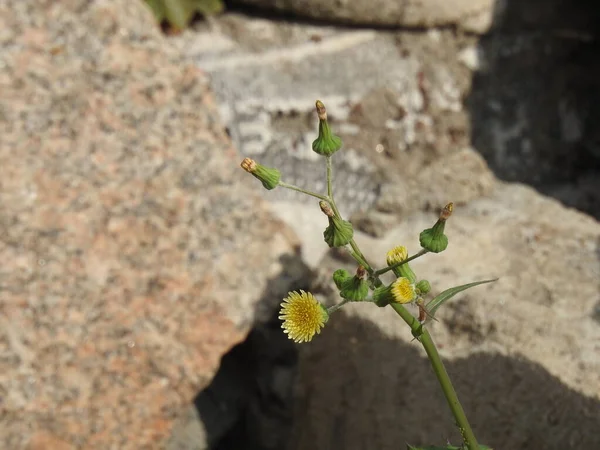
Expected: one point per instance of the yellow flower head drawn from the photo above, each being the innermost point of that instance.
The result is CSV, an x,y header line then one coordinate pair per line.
x,y
303,316
403,290
396,255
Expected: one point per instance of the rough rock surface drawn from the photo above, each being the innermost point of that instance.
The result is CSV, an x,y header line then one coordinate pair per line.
x,y
523,351
534,98
125,226
475,16
526,347
401,100
395,101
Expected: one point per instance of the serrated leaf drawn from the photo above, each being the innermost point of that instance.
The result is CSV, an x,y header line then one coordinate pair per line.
x,y
443,297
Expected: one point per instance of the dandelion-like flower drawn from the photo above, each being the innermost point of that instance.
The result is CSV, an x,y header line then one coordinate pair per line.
x,y
403,290
303,316
396,255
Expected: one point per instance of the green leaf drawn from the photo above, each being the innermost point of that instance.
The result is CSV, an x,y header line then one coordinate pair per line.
x,y
443,297
179,12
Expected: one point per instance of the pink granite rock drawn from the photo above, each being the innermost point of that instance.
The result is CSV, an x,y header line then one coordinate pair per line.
x,y
125,229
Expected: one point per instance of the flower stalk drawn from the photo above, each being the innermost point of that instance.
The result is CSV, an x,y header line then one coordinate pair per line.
x,y
422,335
304,316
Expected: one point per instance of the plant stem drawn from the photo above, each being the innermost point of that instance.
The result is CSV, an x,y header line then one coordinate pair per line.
x,y
358,256
393,266
334,308
329,179
422,334
304,191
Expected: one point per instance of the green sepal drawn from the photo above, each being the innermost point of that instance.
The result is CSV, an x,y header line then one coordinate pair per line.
x,y
423,287
443,297
382,296
434,239
338,233
327,143
268,176
339,276
354,289
324,313
405,271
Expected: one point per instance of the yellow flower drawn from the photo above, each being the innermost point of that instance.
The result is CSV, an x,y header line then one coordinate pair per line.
x,y
396,255
403,290
303,316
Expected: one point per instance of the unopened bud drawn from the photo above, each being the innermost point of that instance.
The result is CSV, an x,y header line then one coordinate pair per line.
x,y
339,276
338,233
434,239
396,255
326,208
326,143
423,287
269,177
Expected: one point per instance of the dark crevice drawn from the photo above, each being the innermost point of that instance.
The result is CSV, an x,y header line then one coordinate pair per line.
x,y
248,404
534,108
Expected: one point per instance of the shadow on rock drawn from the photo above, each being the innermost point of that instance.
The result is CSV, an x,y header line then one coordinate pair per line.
x,y
248,404
535,101
360,389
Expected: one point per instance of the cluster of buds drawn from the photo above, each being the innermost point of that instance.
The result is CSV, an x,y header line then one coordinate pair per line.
x,y
302,314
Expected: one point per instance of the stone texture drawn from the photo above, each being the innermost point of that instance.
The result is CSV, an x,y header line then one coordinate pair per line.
x,y
534,101
402,100
394,99
523,351
125,227
474,16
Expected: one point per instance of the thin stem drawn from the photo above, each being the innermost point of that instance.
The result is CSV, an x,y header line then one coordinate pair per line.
x,y
334,308
360,260
329,179
398,264
304,191
422,334
357,255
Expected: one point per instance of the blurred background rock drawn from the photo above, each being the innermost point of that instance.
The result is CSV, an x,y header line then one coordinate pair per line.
x,y
131,316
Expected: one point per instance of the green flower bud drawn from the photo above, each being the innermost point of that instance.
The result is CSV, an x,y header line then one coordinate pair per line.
x,y
354,289
423,287
268,177
382,296
339,276
400,291
339,232
434,239
394,256
327,143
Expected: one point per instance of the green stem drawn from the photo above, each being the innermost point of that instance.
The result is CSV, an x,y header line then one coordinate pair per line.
x,y
393,266
422,334
360,258
334,308
304,191
329,180
357,255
